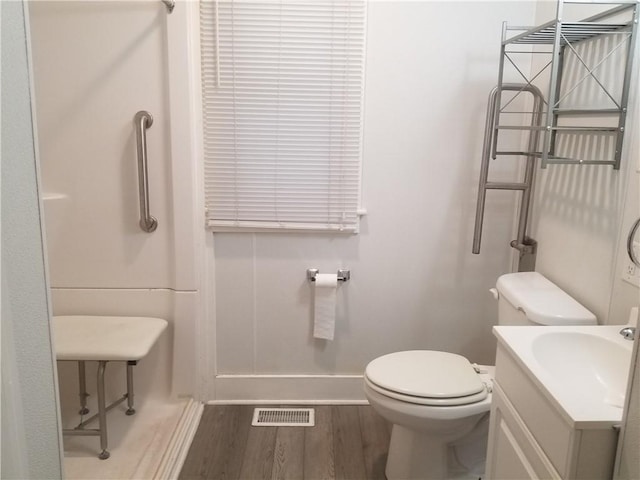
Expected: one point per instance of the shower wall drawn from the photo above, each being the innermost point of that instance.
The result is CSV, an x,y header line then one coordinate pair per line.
x,y
414,282
95,65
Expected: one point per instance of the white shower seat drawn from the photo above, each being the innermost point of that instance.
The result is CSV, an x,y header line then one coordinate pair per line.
x,y
104,339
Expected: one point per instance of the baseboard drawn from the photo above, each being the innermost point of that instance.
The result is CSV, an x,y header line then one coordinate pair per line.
x,y
178,447
287,389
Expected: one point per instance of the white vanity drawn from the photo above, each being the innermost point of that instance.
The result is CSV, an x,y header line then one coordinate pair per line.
x,y
557,402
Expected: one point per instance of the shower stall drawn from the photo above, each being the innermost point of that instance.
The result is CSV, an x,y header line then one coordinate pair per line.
x,y
119,210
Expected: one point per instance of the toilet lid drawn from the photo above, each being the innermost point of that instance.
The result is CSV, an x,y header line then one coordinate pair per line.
x,y
425,373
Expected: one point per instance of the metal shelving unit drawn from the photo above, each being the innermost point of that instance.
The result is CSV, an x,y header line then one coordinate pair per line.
x,y
571,107
584,70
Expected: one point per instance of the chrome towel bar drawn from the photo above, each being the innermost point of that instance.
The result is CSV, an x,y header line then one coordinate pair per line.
x,y
630,240
143,120
343,275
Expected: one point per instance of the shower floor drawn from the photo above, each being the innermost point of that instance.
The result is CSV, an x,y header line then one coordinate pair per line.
x,y
137,443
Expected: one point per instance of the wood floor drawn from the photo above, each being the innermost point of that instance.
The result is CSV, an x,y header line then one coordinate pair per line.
x,y
347,442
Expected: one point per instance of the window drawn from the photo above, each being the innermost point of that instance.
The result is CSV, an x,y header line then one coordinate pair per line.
x,y
282,84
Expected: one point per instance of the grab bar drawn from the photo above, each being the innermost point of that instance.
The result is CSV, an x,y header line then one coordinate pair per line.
x,y
630,240
143,120
521,243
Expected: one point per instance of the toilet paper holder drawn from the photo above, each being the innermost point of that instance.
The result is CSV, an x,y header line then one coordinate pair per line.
x,y
343,275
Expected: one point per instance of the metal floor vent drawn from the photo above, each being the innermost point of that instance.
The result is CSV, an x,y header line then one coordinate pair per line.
x,y
283,417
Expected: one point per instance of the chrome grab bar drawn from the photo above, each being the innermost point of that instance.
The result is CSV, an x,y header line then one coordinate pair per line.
x,y
143,120
521,243
630,239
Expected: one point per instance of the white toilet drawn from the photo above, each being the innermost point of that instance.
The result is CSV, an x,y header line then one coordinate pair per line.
x,y
437,400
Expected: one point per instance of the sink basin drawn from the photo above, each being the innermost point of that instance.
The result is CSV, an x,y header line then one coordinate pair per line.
x,y
583,370
596,363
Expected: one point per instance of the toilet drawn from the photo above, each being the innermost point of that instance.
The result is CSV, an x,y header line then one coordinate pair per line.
x,y
439,402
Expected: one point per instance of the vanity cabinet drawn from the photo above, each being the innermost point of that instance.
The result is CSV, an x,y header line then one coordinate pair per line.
x,y
532,437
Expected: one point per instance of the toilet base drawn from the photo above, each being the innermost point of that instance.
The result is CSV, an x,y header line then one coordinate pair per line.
x,y
412,455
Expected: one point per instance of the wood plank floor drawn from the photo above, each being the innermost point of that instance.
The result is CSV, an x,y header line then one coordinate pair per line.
x,y
347,443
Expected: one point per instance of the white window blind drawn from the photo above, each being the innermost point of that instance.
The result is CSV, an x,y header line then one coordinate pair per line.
x,y
282,89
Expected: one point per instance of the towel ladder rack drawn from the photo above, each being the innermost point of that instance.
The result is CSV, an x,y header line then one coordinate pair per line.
x,y
525,245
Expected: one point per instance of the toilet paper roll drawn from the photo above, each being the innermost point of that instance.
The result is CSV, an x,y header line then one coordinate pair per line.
x,y
324,314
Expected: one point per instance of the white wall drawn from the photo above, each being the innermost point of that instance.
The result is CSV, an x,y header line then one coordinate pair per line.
x,y
624,295
415,283
31,443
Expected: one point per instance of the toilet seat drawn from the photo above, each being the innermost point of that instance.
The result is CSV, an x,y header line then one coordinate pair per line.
x,y
430,401
426,377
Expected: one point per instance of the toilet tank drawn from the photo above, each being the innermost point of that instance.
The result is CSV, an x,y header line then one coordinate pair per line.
x,y
528,298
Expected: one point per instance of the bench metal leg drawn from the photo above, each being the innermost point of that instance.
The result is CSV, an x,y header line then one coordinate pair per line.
x,y
102,405
82,383
130,410
102,411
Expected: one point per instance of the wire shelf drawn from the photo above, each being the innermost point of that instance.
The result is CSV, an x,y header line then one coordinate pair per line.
x,y
571,32
585,81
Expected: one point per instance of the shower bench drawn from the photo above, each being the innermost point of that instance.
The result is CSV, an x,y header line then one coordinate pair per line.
x,y
103,339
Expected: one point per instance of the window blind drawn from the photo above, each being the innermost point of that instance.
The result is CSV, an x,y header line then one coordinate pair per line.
x,y
282,84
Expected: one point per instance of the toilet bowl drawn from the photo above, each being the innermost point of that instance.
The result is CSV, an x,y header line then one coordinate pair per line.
x,y
432,399
437,400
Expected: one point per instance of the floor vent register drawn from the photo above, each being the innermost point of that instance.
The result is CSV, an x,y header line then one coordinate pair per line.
x,y
283,417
